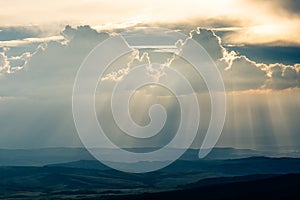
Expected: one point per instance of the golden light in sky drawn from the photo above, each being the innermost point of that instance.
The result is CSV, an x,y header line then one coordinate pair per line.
x,y
266,21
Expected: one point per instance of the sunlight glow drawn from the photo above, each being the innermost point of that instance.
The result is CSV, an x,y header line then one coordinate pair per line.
x,y
261,23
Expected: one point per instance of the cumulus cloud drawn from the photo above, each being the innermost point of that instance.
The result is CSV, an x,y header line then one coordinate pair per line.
x,y
19,44
210,42
4,64
38,97
50,65
283,77
244,74
40,93
238,71
241,73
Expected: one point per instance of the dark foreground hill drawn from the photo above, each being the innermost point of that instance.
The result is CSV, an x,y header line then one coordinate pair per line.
x,y
276,187
90,179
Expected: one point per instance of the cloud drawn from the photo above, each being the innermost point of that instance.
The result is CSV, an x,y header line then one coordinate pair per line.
x,y
238,71
241,73
19,44
38,97
4,64
26,41
52,63
263,22
18,33
13,63
283,77
282,33
288,7
36,100
210,42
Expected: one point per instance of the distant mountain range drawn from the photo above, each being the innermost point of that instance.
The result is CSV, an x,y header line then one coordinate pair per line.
x,y
242,166
72,173
46,156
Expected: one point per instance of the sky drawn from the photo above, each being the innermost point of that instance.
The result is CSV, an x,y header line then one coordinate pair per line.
x,y
248,21
255,45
